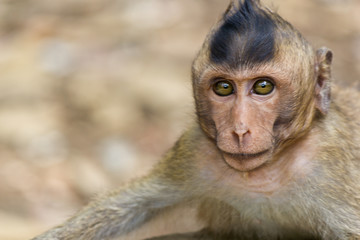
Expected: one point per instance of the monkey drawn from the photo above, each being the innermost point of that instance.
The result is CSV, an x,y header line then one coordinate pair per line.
x,y
274,151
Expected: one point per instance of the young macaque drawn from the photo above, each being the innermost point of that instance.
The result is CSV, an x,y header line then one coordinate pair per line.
x,y
271,155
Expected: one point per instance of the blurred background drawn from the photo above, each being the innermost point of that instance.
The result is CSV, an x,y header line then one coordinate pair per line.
x,y
93,92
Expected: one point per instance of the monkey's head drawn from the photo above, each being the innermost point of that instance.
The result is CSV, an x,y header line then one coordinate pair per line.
x,y
258,85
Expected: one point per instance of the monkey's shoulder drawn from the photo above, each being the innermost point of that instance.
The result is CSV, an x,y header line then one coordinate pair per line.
x,y
346,100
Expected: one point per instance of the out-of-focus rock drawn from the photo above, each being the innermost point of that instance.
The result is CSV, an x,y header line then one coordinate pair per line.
x,y
117,156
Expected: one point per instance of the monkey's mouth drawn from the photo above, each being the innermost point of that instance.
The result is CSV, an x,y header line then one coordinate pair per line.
x,y
246,155
246,161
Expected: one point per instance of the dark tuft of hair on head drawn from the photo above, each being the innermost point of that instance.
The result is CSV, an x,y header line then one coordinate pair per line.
x,y
246,35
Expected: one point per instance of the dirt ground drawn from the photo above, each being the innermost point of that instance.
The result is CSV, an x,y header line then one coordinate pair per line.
x,y
93,92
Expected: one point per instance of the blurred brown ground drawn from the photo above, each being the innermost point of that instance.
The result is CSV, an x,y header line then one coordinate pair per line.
x,y
93,92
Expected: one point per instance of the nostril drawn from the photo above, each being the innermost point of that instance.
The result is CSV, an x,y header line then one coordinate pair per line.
x,y
246,138
236,138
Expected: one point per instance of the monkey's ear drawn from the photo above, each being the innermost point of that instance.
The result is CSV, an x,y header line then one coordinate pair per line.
x,y
323,79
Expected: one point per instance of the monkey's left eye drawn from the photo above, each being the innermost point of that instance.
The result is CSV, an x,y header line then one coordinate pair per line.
x,y
263,87
223,88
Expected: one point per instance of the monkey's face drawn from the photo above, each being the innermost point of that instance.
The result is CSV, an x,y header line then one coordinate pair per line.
x,y
253,85
241,110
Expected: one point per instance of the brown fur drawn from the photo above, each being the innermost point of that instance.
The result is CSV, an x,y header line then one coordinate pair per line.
x,y
305,186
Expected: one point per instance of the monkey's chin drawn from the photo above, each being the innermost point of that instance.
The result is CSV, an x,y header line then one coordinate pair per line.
x,y
246,162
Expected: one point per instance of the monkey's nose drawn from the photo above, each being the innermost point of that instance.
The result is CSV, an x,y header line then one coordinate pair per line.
x,y
241,135
241,129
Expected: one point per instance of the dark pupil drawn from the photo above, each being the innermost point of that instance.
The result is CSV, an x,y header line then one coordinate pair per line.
x,y
263,84
225,85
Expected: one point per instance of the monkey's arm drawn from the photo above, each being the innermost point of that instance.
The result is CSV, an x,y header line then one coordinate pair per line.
x,y
122,211
117,213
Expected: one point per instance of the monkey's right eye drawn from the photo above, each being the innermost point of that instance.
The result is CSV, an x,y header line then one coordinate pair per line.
x,y
223,88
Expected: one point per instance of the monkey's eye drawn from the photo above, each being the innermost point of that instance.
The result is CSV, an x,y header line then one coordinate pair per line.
x,y
223,88
263,87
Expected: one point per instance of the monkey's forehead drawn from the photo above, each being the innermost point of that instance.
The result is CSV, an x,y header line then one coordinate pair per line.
x,y
289,62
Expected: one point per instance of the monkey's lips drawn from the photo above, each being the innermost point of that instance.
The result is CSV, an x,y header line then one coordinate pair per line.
x,y
245,162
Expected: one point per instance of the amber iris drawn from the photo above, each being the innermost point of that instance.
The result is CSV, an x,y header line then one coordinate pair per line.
x,y
263,87
223,88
